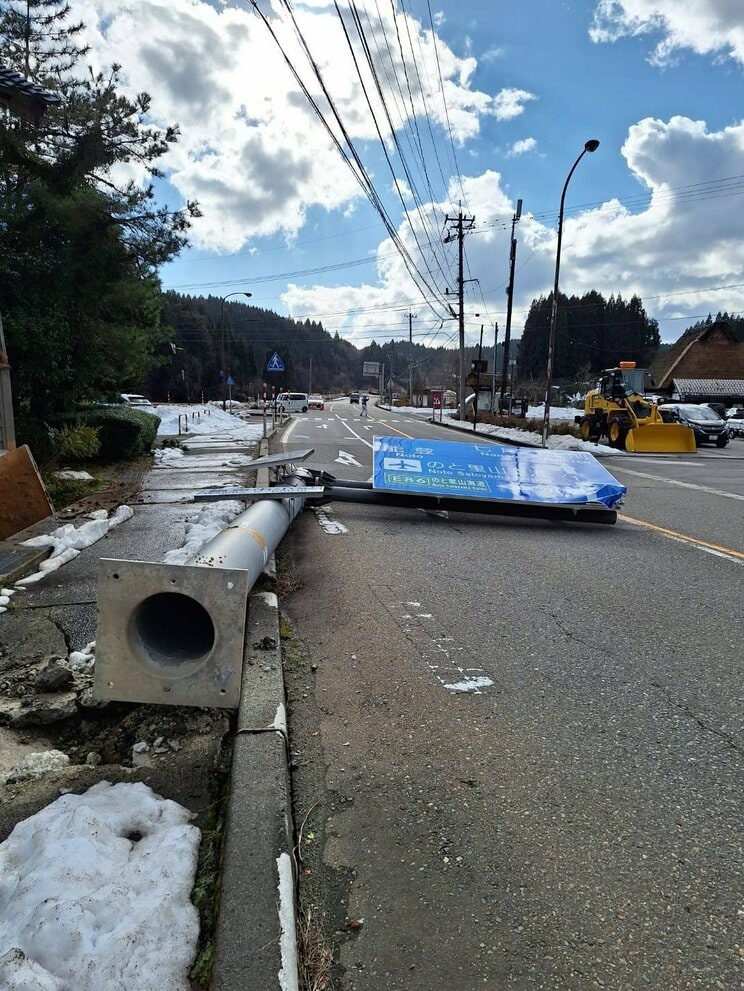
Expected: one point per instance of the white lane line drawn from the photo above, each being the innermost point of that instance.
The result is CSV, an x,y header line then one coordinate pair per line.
x,y
328,522
682,485
355,434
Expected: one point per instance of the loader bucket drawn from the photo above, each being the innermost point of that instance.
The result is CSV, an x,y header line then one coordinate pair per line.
x,y
661,438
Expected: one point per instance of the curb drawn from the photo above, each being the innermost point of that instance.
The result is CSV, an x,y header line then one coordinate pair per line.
x,y
256,943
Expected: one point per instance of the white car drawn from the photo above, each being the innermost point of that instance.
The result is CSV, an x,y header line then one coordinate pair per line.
x,y
132,399
735,421
293,402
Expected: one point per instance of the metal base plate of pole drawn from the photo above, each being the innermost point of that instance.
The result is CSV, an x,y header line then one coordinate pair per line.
x,y
170,634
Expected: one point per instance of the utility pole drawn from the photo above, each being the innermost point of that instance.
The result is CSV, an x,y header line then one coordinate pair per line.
x,y
310,384
509,300
390,380
493,371
457,227
411,318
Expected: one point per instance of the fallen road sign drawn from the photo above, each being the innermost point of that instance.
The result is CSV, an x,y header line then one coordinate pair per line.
x,y
492,472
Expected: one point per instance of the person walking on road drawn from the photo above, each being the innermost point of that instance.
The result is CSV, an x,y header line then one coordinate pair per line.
x,y
363,410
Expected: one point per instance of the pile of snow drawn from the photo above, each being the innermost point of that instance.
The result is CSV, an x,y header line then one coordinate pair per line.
x,y
5,594
556,442
67,541
95,893
67,474
35,766
209,419
80,660
174,457
211,519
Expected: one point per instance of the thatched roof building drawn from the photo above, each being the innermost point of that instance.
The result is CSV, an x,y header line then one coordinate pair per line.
x,y
704,365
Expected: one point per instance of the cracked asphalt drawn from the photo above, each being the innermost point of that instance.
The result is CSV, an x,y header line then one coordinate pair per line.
x,y
575,824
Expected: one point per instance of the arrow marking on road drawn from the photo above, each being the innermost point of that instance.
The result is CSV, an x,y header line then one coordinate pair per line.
x,y
345,458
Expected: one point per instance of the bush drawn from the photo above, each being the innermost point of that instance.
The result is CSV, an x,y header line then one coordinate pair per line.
x,y
123,433
64,491
76,442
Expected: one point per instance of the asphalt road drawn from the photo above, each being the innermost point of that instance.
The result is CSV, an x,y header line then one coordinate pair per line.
x,y
574,820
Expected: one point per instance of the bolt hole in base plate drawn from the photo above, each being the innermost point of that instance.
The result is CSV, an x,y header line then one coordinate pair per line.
x,y
155,644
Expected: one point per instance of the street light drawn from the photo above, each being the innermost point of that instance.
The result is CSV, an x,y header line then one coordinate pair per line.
x,y
589,146
222,337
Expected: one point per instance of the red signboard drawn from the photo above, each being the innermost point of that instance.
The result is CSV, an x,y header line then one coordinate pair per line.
x,y
436,398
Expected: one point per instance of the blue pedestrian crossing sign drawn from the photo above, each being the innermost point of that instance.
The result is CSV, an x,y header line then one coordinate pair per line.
x,y
275,363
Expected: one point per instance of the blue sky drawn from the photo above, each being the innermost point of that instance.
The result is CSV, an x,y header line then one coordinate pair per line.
x,y
654,211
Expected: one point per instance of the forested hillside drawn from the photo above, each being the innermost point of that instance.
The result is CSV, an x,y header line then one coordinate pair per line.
x,y
315,361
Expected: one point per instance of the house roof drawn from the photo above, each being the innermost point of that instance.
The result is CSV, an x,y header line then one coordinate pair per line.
x,y
663,365
709,387
23,97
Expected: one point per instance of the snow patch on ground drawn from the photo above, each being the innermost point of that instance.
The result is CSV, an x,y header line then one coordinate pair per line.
x,y
67,474
67,541
556,442
34,766
201,527
173,457
208,419
95,890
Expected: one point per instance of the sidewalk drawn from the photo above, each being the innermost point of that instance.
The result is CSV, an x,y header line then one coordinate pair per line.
x,y
47,707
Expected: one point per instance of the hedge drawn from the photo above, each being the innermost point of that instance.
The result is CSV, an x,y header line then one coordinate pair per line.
x,y
123,432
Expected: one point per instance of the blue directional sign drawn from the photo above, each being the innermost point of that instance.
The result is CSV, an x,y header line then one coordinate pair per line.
x,y
230,380
275,363
492,471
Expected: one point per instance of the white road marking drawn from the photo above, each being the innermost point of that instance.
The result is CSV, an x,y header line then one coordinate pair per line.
x,y
639,458
347,459
328,522
322,426
355,434
683,485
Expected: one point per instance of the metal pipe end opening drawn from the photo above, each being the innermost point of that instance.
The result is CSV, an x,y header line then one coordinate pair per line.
x,y
171,630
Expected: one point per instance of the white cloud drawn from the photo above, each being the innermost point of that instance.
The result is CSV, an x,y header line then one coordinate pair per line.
x,y
703,26
523,146
252,151
509,103
673,252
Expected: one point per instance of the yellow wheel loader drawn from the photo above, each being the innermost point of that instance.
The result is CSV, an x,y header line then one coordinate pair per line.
x,y
617,410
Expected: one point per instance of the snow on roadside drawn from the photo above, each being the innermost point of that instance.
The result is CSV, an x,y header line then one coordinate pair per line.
x,y
174,457
95,891
208,419
210,520
67,541
556,442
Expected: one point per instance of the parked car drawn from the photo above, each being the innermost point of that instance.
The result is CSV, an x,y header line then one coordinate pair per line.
x,y
735,421
354,397
708,426
719,408
292,402
315,401
132,399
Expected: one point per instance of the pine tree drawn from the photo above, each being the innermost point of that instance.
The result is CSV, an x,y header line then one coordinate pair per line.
x,y
79,251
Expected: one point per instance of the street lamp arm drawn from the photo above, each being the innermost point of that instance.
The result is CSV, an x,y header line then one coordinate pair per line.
x,y
589,146
238,292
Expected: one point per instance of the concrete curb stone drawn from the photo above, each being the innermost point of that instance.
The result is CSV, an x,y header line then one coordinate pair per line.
x,y
256,946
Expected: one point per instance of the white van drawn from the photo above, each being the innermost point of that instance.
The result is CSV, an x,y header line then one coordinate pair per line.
x,y
292,402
